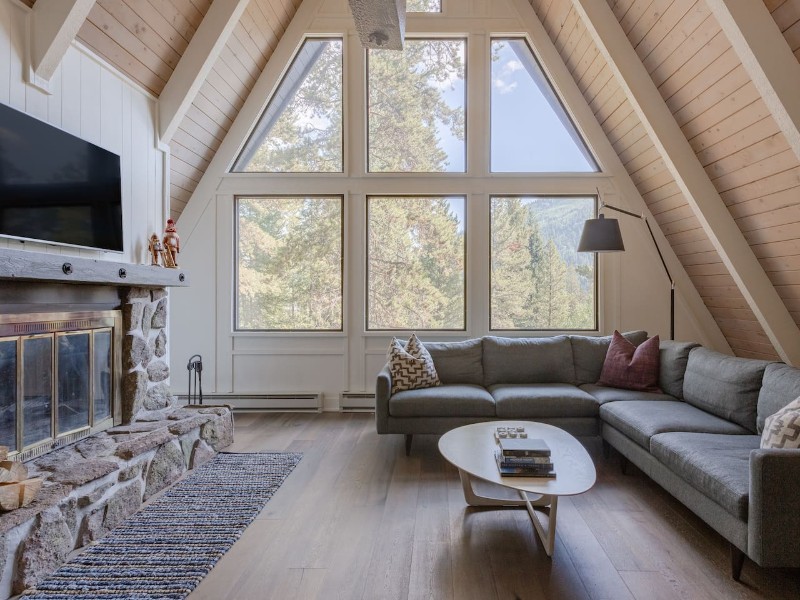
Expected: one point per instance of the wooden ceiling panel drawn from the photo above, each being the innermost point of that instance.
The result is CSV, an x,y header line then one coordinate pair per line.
x,y
787,17
700,77
224,92
144,39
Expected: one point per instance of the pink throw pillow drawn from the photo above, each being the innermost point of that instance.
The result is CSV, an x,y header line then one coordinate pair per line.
x,y
631,367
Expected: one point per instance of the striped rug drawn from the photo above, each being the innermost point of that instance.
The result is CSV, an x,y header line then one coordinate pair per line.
x,y
163,551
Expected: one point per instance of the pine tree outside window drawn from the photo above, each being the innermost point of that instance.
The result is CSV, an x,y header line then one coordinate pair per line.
x,y
300,131
416,263
289,263
538,279
416,107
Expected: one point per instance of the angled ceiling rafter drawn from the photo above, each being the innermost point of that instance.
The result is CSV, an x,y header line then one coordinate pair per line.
x,y
195,64
684,166
767,58
53,26
601,146
248,115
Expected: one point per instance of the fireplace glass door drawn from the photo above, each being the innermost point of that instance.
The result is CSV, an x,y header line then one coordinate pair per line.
x,y
59,378
8,393
37,386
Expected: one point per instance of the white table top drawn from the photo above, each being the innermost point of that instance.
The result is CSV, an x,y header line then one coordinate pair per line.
x,y
471,449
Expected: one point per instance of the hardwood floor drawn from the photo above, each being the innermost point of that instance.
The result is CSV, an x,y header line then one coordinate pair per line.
x,y
359,519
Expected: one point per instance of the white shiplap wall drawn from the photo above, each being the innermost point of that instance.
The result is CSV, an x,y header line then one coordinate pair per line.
x,y
90,100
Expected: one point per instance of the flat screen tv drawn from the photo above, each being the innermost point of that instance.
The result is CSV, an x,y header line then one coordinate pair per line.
x,y
57,188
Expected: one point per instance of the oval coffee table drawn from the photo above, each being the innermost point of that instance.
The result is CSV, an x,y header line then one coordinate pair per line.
x,y
471,450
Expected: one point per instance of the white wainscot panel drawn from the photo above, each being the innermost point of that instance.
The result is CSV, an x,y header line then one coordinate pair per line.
x,y
273,373
265,344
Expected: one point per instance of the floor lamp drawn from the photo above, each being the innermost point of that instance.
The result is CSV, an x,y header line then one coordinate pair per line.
x,y
603,235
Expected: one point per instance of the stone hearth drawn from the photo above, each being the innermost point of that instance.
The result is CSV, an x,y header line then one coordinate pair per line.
x,y
93,485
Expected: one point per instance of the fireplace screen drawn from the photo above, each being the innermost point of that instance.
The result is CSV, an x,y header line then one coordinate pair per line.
x,y
58,378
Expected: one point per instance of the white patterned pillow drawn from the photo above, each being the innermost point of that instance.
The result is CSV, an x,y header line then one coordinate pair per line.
x,y
782,430
411,367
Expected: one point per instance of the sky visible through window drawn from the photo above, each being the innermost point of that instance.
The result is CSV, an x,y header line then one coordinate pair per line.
x,y
529,130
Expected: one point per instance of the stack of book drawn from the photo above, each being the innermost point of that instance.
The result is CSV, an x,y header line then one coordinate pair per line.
x,y
524,457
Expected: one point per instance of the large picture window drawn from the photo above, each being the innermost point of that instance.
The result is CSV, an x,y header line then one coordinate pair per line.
x,y
538,279
289,263
416,262
416,108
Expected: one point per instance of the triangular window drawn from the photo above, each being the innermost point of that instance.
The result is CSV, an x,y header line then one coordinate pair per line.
x,y
300,131
530,130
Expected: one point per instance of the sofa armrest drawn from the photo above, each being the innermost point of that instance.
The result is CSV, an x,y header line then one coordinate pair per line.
x,y
774,510
383,390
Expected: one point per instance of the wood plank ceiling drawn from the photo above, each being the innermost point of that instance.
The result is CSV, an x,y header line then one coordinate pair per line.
x,y
728,126
683,48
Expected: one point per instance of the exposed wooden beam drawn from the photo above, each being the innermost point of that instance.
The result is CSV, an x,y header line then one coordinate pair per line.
x,y
246,118
767,58
195,64
53,26
596,138
691,178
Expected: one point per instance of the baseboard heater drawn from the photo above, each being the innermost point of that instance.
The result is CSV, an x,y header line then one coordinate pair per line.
x,y
265,402
356,402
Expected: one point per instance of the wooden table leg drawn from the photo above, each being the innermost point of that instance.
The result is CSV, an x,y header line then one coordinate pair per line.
x,y
542,505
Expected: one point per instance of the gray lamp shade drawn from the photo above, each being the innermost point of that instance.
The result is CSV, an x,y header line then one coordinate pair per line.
x,y
601,235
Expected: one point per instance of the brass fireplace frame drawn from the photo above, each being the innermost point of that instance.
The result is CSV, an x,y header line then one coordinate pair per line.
x,y
21,327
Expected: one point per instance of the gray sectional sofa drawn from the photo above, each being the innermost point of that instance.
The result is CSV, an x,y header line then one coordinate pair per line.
x,y
699,439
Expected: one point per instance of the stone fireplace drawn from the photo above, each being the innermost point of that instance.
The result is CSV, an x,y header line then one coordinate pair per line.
x,y
85,402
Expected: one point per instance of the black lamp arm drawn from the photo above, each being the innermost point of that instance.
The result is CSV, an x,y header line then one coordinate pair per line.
x,y
660,256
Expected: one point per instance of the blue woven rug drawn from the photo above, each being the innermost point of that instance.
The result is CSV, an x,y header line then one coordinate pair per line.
x,y
163,551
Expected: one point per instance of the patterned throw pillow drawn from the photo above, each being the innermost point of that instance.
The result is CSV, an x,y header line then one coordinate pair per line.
x,y
411,367
782,430
631,367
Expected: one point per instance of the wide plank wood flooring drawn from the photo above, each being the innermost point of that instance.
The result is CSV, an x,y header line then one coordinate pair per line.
x,y
357,519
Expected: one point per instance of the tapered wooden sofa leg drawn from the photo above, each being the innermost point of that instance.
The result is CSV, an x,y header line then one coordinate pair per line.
x,y
737,561
408,444
623,464
606,449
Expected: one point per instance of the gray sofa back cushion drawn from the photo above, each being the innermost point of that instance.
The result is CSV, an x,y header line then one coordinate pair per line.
x,y
724,385
673,359
527,360
781,385
458,362
589,353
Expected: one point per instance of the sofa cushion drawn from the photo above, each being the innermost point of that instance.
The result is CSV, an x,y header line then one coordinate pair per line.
x,y
538,400
411,366
724,385
780,386
527,360
673,357
631,367
588,353
458,362
782,430
443,401
640,420
610,394
716,465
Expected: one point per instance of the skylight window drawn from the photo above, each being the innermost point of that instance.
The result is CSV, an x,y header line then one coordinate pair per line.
x,y
300,131
530,130
424,6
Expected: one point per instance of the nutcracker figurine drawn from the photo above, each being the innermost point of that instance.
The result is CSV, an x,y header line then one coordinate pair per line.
x,y
155,248
172,245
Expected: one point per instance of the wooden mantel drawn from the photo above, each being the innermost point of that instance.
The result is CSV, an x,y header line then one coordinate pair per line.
x,y
19,265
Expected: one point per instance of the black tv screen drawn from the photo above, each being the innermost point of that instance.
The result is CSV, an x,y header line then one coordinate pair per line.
x,y
55,187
